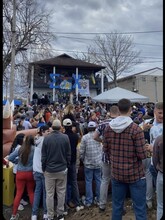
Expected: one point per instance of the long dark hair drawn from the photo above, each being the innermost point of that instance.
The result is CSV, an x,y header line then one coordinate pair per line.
x,y
26,149
17,141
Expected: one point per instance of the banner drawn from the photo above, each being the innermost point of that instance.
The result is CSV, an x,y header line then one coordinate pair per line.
x,y
66,84
60,82
84,87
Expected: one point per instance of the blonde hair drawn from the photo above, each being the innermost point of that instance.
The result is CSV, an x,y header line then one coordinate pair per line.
x,y
69,109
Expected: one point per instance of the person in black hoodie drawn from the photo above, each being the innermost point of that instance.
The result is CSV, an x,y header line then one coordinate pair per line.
x,y
72,185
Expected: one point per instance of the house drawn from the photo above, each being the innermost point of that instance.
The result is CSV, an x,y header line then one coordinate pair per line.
x,y
64,66
148,83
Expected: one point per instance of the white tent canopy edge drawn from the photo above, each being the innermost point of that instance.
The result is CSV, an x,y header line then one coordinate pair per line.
x,y
117,93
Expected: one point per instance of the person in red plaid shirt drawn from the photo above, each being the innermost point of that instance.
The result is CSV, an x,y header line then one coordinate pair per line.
x,y
106,169
124,142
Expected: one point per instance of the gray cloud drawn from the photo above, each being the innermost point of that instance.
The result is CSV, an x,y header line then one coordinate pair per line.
x,y
90,16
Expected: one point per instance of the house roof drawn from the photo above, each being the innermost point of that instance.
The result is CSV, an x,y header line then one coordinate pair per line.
x,y
151,72
65,60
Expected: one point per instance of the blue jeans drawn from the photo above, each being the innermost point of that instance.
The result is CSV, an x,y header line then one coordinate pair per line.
x,y
138,196
159,189
105,180
39,190
72,185
91,174
149,180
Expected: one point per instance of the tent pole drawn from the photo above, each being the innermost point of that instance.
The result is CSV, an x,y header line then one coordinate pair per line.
x,y
102,81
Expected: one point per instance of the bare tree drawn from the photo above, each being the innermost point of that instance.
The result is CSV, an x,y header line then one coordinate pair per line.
x,y
116,52
32,31
86,56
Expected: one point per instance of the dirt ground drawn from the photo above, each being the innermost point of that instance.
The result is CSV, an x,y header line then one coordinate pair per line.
x,y
91,213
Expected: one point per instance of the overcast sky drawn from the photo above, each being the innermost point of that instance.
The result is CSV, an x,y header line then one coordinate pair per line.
x,y
75,23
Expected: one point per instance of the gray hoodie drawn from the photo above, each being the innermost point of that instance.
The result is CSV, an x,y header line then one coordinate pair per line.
x,y
37,166
120,123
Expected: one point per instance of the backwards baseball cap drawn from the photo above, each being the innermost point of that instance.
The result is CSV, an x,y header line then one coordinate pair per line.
x,y
54,113
91,124
56,123
67,122
43,128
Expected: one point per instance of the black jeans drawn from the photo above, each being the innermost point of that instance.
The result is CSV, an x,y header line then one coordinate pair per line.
x,y
154,173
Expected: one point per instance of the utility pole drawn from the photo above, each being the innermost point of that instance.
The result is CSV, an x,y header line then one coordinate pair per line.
x,y
156,94
102,81
12,75
76,83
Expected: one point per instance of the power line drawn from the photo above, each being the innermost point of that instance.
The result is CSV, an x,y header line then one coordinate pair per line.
x,y
88,39
155,45
81,39
72,51
95,33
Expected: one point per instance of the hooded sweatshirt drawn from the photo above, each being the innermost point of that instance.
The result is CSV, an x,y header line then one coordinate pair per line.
x,y
37,166
120,123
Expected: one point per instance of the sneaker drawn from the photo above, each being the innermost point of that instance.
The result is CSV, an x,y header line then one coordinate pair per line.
x,y
83,201
124,211
66,208
23,202
34,217
101,209
71,204
96,202
20,207
80,207
60,217
14,217
45,217
87,204
83,198
65,212
149,204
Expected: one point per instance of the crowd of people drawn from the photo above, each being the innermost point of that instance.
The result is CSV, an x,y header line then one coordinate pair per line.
x,y
121,144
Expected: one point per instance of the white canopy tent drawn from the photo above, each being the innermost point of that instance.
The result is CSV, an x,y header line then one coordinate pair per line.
x,y
117,93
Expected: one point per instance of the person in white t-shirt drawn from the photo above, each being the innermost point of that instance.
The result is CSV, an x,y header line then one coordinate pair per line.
x,y
25,124
151,173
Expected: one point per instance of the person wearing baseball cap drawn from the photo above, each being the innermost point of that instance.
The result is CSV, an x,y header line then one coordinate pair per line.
x,y
67,122
38,174
92,124
91,155
56,156
72,174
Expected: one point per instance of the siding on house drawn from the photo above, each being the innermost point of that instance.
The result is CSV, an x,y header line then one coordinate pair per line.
x,y
148,83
